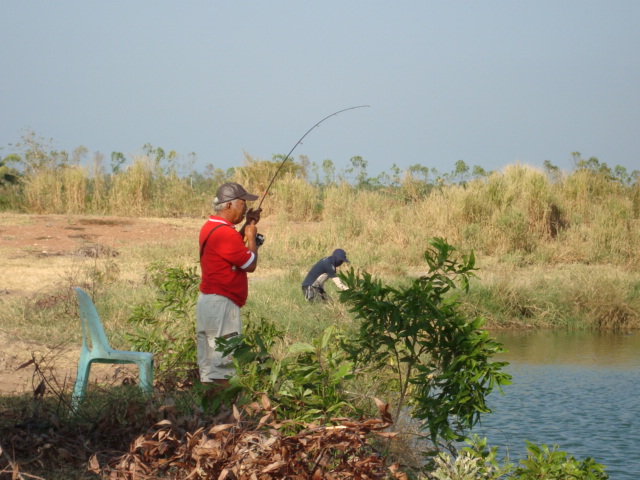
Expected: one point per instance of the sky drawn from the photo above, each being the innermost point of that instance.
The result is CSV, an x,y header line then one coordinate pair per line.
x,y
491,83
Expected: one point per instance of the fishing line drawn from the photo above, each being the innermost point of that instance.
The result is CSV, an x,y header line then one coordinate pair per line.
x,y
298,143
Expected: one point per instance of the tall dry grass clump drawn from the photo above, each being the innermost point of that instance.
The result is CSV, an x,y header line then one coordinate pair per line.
x,y
172,196
98,190
513,210
256,176
294,199
436,215
583,186
43,192
386,231
604,218
132,189
529,213
56,190
75,189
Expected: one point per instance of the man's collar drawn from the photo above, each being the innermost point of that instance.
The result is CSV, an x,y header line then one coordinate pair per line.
x,y
216,219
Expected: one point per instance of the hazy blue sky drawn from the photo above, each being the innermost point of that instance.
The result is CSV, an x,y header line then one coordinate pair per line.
x,y
488,82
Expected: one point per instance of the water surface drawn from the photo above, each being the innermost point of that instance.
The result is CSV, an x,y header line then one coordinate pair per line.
x,y
580,391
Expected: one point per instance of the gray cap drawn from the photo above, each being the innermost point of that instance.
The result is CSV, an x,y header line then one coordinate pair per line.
x,y
340,255
230,191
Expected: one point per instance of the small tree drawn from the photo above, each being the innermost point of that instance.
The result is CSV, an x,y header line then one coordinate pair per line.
x,y
9,175
439,359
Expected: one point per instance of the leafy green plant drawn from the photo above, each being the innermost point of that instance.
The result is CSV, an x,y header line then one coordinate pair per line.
x,y
544,463
478,461
487,457
439,358
463,467
307,383
165,327
315,377
9,175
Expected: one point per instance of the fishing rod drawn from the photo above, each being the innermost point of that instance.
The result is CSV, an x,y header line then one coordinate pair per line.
x,y
298,143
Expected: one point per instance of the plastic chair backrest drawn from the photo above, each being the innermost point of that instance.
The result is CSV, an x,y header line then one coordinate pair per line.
x,y
90,321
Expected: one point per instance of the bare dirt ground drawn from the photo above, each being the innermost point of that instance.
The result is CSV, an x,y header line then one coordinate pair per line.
x,y
30,245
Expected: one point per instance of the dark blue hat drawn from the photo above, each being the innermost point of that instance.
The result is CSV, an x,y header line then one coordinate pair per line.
x,y
340,255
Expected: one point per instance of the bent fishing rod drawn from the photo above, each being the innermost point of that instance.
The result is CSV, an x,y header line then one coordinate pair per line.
x,y
298,143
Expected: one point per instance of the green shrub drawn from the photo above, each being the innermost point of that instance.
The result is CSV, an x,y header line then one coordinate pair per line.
x,y
166,326
543,463
307,383
477,461
439,358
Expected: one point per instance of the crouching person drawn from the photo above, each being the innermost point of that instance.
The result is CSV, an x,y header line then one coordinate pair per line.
x,y
326,268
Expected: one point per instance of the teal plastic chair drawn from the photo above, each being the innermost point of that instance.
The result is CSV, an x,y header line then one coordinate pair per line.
x,y
101,352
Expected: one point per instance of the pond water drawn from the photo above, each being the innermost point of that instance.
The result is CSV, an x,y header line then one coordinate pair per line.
x,y
580,391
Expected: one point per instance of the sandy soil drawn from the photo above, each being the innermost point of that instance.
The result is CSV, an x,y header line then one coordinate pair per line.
x,y
31,241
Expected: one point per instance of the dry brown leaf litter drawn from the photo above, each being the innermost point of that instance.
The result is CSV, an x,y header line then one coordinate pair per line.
x,y
244,449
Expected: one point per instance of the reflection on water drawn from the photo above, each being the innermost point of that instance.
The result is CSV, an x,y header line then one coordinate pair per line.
x,y
568,348
580,391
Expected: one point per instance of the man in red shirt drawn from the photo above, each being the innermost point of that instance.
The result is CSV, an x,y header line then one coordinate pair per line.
x,y
225,261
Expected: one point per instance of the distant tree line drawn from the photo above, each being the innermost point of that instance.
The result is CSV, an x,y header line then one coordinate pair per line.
x,y
33,153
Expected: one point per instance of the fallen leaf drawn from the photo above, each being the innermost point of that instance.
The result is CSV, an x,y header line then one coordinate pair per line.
x,y
264,419
94,465
383,408
266,403
273,466
219,428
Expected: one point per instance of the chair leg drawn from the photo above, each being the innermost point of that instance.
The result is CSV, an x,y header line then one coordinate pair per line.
x,y
80,387
145,372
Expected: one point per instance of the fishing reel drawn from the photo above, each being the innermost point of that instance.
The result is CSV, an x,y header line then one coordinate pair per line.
x,y
259,239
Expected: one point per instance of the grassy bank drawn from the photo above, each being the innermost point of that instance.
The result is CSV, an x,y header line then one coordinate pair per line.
x,y
565,296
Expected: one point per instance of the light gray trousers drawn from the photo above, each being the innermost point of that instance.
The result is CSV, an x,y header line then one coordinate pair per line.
x,y
216,316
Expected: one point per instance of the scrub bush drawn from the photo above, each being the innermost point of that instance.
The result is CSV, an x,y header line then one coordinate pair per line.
x,y
439,359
